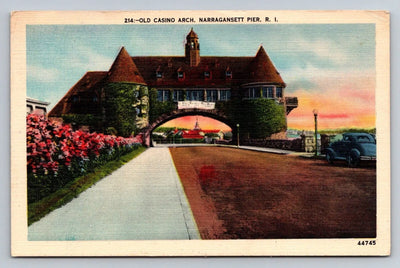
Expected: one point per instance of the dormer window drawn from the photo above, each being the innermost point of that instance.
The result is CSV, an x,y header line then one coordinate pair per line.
x,y
181,75
228,74
159,74
207,74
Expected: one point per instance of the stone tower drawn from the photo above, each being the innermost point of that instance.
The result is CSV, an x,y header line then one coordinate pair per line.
x,y
192,48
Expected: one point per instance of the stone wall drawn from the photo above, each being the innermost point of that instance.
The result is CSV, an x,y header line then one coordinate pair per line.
x,y
304,144
292,145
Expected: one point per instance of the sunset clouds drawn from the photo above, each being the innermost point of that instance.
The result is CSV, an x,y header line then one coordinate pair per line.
x,y
342,99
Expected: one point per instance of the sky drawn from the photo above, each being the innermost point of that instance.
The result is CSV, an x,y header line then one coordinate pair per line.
x,y
329,67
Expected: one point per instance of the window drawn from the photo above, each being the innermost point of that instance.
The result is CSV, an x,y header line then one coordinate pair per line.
x,y
207,75
29,109
268,92
95,99
181,75
178,95
195,95
163,95
228,74
212,95
225,95
75,99
159,74
279,92
254,93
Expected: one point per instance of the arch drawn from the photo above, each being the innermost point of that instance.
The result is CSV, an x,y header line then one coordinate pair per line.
x,y
214,114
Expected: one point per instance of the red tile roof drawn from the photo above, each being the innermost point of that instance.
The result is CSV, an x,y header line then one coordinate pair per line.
x,y
124,69
263,70
243,69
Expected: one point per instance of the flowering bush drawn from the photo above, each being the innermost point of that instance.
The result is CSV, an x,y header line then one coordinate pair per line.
x,y
56,154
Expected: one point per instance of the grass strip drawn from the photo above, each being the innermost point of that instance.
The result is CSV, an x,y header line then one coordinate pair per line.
x,y
39,209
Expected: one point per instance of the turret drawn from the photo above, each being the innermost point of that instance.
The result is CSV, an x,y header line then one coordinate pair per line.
x,y
192,48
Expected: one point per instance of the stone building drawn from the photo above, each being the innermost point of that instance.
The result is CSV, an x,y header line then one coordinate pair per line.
x,y
188,78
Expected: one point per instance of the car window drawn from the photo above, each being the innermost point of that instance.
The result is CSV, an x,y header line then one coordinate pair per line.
x,y
346,138
364,139
335,138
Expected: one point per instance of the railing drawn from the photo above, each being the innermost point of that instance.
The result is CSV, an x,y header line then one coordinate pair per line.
x,y
291,101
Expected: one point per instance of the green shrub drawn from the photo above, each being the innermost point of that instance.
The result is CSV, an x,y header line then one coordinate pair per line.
x,y
120,109
77,120
157,108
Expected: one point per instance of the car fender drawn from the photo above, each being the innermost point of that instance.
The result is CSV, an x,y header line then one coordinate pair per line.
x,y
331,151
355,152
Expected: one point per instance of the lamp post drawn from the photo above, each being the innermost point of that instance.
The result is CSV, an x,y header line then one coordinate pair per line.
x,y
315,112
237,125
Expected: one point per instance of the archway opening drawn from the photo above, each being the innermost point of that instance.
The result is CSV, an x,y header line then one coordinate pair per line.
x,y
192,129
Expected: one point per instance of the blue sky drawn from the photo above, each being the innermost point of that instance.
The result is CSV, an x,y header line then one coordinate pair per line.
x,y
330,62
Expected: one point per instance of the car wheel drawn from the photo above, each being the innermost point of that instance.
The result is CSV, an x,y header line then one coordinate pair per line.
x,y
329,157
353,160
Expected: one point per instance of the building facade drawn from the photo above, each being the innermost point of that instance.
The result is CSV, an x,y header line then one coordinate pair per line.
x,y
36,106
176,79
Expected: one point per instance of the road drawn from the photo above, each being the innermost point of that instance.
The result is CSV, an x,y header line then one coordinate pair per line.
x,y
247,194
143,200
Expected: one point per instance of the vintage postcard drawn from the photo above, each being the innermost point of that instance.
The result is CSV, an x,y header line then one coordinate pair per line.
x,y
200,133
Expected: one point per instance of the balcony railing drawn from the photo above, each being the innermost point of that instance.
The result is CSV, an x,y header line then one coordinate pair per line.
x,y
291,103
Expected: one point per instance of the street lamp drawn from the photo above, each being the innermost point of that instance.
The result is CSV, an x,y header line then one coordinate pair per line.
x,y
315,112
237,125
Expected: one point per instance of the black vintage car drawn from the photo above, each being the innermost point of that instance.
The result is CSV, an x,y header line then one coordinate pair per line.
x,y
353,148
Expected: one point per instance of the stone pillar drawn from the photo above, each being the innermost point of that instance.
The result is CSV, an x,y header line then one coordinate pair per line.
x,y
308,143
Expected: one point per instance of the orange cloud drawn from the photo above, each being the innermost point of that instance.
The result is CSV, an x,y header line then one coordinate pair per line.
x,y
345,102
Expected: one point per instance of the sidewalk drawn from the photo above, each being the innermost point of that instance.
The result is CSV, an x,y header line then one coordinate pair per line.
x,y
142,200
263,149
243,147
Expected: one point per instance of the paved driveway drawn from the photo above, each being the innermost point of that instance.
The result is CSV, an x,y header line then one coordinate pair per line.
x,y
142,200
